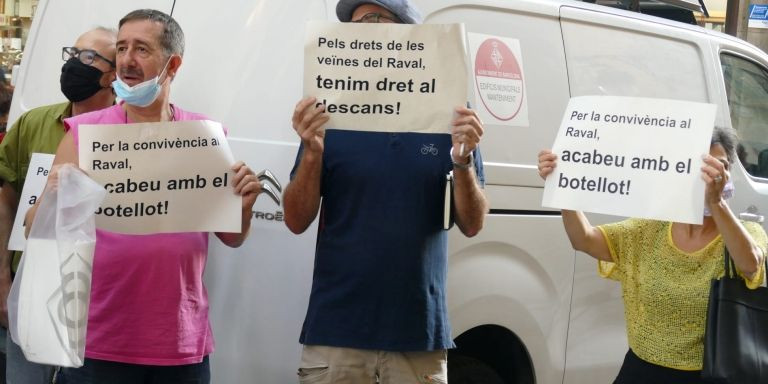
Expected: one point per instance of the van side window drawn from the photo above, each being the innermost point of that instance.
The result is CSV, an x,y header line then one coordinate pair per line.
x,y
746,85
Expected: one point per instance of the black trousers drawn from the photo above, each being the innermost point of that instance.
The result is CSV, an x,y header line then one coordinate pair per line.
x,y
109,372
635,370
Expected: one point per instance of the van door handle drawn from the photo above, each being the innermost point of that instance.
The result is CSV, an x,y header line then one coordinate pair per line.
x,y
752,215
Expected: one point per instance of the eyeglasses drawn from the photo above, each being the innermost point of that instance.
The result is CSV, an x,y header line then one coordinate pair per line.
x,y
376,18
86,56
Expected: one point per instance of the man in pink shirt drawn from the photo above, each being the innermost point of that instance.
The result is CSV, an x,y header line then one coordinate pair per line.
x,y
148,319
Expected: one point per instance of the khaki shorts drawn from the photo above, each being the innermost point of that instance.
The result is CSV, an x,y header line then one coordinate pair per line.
x,y
326,365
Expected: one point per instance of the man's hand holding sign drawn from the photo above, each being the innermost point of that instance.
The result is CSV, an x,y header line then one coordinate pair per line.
x,y
158,175
384,77
170,179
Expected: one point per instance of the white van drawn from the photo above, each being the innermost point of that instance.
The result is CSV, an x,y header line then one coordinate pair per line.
x,y
524,307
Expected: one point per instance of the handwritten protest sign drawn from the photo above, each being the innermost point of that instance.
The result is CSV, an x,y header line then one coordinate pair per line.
x,y
162,177
633,157
386,77
34,183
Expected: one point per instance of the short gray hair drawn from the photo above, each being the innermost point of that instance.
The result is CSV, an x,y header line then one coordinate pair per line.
x,y
727,138
172,38
108,30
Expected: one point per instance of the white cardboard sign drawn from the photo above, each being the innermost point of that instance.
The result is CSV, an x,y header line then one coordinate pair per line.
x,y
634,157
162,177
386,77
37,176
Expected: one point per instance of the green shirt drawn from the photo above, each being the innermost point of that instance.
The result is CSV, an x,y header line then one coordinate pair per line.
x,y
37,130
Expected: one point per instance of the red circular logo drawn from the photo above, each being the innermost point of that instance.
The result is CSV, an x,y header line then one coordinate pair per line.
x,y
499,79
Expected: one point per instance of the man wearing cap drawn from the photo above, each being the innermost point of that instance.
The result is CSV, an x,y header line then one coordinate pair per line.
x,y
86,79
377,307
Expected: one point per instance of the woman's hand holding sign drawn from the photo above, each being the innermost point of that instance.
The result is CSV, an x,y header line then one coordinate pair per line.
x,y
547,163
583,236
715,173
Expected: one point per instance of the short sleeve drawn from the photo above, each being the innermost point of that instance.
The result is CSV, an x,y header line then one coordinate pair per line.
x,y
479,172
9,155
619,238
298,161
758,235
71,126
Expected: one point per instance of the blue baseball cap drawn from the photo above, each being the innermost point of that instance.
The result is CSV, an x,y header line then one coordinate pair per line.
x,y
403,9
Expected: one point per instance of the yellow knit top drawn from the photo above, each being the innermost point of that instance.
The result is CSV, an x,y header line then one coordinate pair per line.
x,y
665,289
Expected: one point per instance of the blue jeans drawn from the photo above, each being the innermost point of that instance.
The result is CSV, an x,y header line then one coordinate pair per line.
x,y
20,371
109,372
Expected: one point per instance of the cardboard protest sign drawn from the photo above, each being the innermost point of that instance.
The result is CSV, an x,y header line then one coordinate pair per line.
x,y
386,77
634,157
162,177
34,183
497,69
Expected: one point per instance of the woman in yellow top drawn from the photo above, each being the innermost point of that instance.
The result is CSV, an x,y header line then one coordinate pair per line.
x,y
665,270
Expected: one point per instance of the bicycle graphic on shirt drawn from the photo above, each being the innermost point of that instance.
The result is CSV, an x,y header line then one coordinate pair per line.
x,y
428,149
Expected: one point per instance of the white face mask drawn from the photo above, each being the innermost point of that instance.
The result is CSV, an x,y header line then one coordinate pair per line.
x,y
142,94
727,194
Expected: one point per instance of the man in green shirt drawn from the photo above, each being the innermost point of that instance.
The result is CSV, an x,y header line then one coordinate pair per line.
x,y
86,80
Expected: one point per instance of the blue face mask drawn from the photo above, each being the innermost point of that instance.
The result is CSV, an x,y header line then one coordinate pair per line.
x,y
142,94
727,194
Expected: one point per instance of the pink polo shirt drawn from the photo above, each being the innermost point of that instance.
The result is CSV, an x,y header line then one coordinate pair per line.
x,y
148,302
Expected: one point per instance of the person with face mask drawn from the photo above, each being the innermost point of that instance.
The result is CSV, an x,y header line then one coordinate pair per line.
x,y
148,313
86,77
665,270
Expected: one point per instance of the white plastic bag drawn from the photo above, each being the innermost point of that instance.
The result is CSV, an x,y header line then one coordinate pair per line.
x,y
48,303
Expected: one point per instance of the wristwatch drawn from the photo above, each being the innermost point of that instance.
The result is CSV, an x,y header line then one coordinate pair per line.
x,y
468,165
